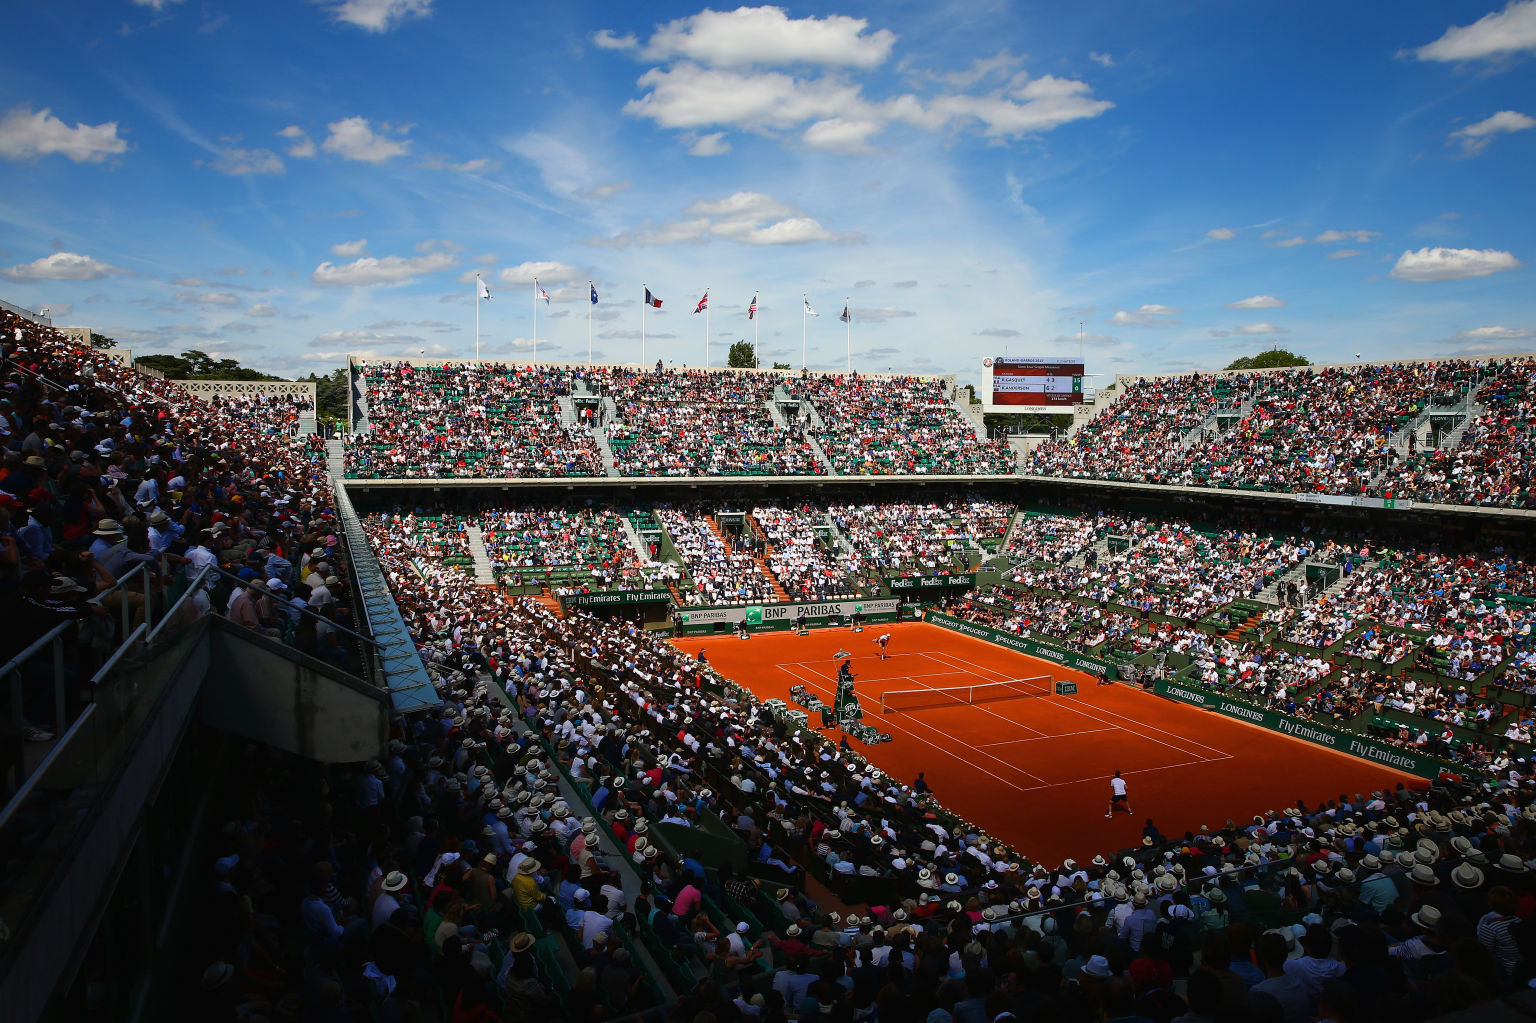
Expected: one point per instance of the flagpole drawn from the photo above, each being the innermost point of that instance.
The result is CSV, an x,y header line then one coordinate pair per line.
x,y
756,324
590,289
535,319
647,288
848,333
477,317
805,303
706,330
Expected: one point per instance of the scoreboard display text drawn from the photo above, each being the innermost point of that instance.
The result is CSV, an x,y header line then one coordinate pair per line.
x,y
1036,383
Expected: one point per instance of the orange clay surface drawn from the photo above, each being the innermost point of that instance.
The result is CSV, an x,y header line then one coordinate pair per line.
x,y
1035,771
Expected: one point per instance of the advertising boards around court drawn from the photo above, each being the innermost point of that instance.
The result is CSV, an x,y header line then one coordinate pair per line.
x,y
929,586
697,621
1023,644
1310,731
616,598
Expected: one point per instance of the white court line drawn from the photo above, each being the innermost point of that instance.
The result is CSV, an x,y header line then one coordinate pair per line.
x,y
1059,735
914,678
1221,754
949,750
1124,717
811,666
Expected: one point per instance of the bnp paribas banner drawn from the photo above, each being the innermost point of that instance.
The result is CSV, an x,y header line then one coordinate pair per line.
x,y
772,614
1311,731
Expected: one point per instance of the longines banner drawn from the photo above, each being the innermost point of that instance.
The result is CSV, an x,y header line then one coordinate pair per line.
x,y
1322,735
1023,644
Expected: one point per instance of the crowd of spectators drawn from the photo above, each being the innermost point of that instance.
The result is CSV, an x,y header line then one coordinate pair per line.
x,y
896,425
107,472
696,423
575,547
921,537
805,559
473,420
723,567
484,420
1376,907
1338,430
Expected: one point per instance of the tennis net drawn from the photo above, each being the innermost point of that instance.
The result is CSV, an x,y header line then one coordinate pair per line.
x,y
897,700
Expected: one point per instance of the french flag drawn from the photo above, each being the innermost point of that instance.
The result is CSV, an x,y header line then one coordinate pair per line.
x,y
651,300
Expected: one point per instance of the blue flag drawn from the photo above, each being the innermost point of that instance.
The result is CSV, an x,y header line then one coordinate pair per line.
x,y
594,293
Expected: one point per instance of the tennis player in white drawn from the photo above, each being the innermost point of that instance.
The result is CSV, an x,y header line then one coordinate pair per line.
x,y
1117,795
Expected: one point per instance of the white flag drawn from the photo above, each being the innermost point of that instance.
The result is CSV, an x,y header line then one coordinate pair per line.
x,y
485,292
808,310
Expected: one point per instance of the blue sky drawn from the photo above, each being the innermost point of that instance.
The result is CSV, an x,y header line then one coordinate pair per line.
x,y
290,181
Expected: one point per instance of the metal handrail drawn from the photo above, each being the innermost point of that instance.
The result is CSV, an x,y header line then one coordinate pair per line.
x,y
192,589
302,610
32,779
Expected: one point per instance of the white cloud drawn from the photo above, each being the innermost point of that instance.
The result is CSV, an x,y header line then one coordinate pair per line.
x,y
713,144
155,5
1221,234
353,138
1345,254
370,271
566,169
699,94
1146,316
1332,237
235,160
1438,264
767,36
1252,329
840,135
214,298
375,335
261,310
377,15
350,250
1257,302
881,315
1289,242
1474,138
61,266
750,218
26,134
547,271
607,190
1499,34
300,147
604,39
1496,334
1102,59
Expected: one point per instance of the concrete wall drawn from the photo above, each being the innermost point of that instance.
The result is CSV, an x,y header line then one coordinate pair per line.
x,y
273,694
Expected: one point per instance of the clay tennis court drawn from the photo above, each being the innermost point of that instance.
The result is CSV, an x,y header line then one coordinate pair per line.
x,y
1035,769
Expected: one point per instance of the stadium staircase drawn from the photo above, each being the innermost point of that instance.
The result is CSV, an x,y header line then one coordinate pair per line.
x,y
308,425
1084,414
1211,424
837,535
778,591
335,458
636,541
972,413
485,575
567,409
1013,525
550,601
609,466
1421,429
1271,593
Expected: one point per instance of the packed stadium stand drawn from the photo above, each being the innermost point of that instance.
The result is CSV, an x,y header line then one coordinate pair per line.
x,y
294,731
1449,431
